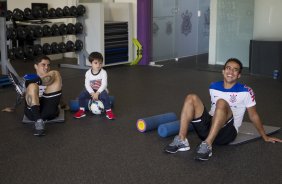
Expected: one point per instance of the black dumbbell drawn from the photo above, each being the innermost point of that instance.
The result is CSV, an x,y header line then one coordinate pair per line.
x,y
19,53
38,50
73,11
78,46
52,13
63,29
11,33
81,10
70,46
21,33
78,28
47,49
9,15
45,13
18,14
62,47
28,52
66,11
47,30
28,13
29,32
37,13
71,28
12,53
54,48
55,30
38,31
59,12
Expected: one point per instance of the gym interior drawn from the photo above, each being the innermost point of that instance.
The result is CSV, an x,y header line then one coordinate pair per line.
x,y
166,58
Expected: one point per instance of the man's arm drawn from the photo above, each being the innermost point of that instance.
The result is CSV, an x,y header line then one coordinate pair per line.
x,y
255,119
49,78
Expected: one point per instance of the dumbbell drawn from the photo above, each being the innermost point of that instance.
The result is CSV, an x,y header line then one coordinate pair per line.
x,y
11,53
18,14
71,28
73,11
78,45
55,30
63,29
70,46
62,47
19,53
47,30
59,12
38,50
21,33
28,52
11,33
52,13
45,13
54,48
47,49
37,13
38,31
9,15
29,32
28,13
81,10
66,11
78,28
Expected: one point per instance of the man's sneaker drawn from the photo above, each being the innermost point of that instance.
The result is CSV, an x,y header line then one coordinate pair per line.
x,y
39,128
204,151
177,145
110,114
79,114
19,85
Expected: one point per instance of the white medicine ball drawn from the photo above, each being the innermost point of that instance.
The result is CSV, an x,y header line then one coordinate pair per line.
x,y
96,106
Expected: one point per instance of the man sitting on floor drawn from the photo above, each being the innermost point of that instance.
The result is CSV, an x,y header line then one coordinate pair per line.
x,y
42,94
229,101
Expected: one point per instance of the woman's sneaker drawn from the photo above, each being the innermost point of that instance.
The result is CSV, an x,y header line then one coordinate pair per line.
x,y
204,151
177,145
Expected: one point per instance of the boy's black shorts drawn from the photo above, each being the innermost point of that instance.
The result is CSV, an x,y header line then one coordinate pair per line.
x,y
202,127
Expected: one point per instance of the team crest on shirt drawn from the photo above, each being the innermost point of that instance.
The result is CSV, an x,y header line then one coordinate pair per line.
x,y
233,98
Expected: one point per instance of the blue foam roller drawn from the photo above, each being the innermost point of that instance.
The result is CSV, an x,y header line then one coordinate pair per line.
x,y
74,105
151,123
171,128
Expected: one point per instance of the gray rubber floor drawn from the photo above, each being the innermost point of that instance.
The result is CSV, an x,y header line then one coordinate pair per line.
x,y
97,150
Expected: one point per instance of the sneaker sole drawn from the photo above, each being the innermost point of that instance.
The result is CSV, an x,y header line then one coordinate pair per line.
x,y
80,116
180,149
203,159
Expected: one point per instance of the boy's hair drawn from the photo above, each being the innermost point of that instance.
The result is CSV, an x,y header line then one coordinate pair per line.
x,y
40,58
236,61
95,55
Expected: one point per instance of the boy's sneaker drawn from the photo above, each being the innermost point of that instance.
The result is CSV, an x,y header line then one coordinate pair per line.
x,y
204,151
19,85
177,145
39,128
79,114
110,114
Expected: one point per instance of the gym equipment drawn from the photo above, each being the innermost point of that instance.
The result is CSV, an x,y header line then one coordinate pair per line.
x,y
28,52
55,30
11,33
4,80
19,53
66,11
18,14
38,50
47,49
52,13
12,53
78,45
81,10
9,15
54,48
47,30
45,13
247,132
171,128
28,13
59,119
21,33
37,31
78,28
37,13
73,11
59,12
62,47
71,28
70,46
96,107
63,29
151,123
29,32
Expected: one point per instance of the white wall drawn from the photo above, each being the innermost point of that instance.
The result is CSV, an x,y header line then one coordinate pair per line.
x,y
267,21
